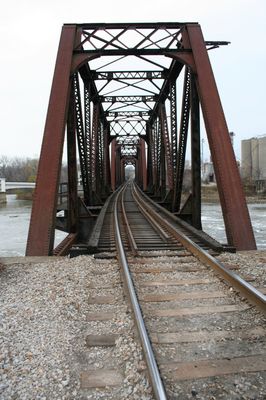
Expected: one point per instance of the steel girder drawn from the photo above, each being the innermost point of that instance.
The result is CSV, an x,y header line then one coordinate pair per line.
x,y
87,118
160,162
42,226
166,145
116,75
128,99
150,161
140,165
229,185
183,134
83,145
137,96
72,165
98,155
113,164
173,119
195,155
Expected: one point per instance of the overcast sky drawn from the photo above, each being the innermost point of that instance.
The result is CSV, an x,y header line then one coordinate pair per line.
x,y
29,36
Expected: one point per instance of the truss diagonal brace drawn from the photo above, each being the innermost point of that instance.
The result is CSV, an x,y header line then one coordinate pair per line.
x,y
168,154
41,231
183,134
237,221
83,156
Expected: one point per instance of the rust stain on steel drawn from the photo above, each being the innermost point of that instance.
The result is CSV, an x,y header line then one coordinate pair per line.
x,y
113,163
63,248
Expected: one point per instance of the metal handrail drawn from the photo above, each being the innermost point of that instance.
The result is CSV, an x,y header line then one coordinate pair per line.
x,y
157,384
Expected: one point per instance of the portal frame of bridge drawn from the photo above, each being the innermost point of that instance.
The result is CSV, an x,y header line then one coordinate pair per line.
x,y
87,120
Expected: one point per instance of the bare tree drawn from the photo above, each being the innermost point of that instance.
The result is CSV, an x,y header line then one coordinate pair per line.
x,y
18,169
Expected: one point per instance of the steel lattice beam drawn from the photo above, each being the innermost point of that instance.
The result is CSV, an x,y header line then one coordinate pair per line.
x,y
87,117
127,99
82,142
173,119
195,155
166,144
125,75
128,114
72,165
94,147
183,134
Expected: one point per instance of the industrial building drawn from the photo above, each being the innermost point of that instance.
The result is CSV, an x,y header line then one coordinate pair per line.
x,y
253,161
207,168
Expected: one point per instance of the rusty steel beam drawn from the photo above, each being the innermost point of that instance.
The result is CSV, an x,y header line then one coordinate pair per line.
x,y
107,170
162,188
127,114
174,71
236,217
173,119
114,75
118,166
132,26
72,214
82,142
41,231
88,81
149,174
63,248
87,128
101,154
195,155
144,163
183,134
94,146
166,144
154,153
127,99
142,154
113,164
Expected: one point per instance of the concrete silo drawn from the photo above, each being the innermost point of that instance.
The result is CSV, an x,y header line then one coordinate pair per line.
x,y
253,161
255,158
262,158
246,160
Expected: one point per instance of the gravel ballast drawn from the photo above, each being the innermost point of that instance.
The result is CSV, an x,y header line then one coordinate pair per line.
x,y
44,326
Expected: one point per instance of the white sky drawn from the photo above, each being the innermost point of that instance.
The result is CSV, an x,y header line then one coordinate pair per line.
x,y
29,36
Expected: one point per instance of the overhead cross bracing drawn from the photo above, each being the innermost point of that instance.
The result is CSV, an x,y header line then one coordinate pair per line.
x,y
120,80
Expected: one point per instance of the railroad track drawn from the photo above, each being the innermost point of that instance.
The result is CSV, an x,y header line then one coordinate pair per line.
x,y
199,337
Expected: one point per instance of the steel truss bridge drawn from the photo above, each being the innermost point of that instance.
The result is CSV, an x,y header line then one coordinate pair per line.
x,y
114,102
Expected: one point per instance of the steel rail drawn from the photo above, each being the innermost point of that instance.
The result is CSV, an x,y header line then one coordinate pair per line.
x,y
157,384
157,227
132,242
250,292
201,235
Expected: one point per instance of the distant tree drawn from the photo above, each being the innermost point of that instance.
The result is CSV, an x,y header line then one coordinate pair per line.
x,y
18,169
24,169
